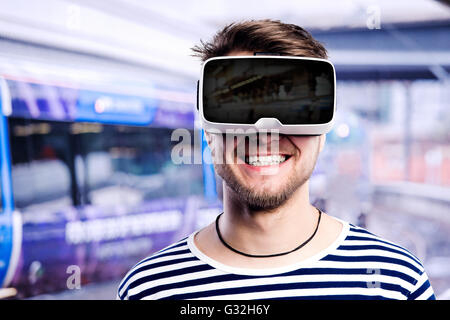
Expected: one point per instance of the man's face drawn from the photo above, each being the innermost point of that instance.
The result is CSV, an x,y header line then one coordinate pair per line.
x,y
264,170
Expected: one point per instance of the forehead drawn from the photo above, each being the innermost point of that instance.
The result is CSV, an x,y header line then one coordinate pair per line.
x,y
240,53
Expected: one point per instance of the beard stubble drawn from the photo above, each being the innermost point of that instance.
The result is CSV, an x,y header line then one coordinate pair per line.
x,y
264,200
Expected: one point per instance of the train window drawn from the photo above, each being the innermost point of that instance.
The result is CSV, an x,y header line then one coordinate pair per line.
x,y
41,164
59,164
125,165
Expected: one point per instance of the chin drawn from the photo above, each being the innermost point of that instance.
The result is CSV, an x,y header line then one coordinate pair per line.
x,y
264,201
261,192
264,195
268,187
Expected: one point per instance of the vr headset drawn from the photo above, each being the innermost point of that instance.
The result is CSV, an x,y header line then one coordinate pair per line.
x,y
294,95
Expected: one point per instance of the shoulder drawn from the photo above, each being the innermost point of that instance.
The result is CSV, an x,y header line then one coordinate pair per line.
x,y
360,239
392,263
150,272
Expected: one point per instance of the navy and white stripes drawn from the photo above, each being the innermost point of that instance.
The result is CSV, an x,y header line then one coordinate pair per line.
x,y
359,265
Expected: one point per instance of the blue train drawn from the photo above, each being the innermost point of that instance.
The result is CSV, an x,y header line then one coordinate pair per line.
x,y
87,182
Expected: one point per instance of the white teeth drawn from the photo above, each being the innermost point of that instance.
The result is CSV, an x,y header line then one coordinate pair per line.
x,y
265,160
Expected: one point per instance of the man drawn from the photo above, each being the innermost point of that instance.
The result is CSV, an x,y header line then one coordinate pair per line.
x,y
270,242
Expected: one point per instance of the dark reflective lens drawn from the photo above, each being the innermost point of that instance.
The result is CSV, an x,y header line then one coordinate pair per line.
x,y
243,90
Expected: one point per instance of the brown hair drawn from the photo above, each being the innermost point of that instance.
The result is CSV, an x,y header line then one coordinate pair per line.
x,y
271,36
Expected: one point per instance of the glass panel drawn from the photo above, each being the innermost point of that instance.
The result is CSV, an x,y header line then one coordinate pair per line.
x,y
59,164
124,165
41,164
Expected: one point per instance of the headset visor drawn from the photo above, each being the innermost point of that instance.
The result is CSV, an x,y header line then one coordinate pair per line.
x,y
242,90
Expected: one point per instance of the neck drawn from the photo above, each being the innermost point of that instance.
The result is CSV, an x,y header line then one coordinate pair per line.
x,y
268,231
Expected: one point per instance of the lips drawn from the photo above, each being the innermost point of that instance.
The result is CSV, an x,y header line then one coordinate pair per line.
x,y
264,152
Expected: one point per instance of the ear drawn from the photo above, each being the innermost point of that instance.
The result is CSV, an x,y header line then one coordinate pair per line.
x,y
322,140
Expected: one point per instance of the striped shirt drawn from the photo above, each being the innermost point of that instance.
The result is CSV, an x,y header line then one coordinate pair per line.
x,y
358,265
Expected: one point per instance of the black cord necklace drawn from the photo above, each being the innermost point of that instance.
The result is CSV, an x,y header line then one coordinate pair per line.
x,y
266,255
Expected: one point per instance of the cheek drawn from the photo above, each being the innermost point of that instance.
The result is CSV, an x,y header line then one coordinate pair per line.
x,y
222,150
217,148
305,144
233,147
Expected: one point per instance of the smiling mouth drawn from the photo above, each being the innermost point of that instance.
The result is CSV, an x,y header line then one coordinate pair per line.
x,y
266,160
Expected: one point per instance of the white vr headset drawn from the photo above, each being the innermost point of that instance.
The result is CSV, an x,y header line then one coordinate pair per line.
x,y
294,95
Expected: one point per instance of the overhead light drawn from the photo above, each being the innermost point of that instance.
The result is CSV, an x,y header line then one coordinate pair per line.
x,y
343,130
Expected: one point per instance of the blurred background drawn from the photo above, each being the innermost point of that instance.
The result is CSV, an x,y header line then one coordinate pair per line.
x,y
91,92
